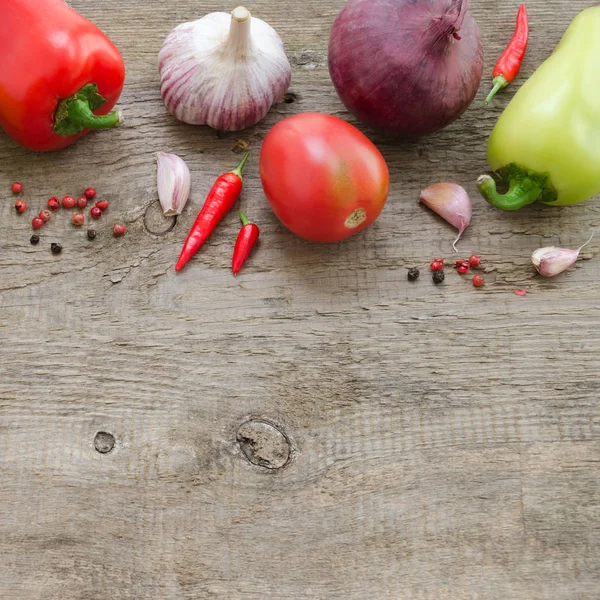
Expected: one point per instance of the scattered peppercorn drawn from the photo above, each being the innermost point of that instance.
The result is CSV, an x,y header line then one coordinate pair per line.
x,y
16,187
90,193
413,274
521,293
91,234
463,266
478,281
34,239
54,203
102,205
45,215
438,277
37,223
78,219
474,260
82,202
437,264
95,212
68,202
119,230
20,206
56,248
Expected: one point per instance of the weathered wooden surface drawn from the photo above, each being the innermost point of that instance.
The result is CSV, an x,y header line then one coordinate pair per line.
x,y
318,428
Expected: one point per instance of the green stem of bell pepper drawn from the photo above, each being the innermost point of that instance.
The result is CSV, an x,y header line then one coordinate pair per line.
x,y
521,192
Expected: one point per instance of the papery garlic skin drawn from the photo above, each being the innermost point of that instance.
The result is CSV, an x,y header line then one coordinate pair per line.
x,y
552,261
452,203
224,70
173,180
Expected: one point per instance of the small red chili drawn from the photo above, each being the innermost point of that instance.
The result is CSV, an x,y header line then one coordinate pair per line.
x,y
95,212
509,64
220,200
462,266
82,202
37,223
437,264
16,187
54,203
78,219
102,205
478,281
68,202
45,215
247,238
20,206
119,230
474,261
90,193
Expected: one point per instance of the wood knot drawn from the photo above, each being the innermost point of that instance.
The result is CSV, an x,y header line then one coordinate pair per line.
x,y
289,98
263,444
155,222
104,442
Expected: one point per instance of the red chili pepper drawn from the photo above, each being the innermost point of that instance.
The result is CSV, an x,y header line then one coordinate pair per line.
x,y
247,238
59,74
509,64
220,200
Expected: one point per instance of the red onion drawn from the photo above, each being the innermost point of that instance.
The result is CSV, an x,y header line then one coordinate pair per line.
x,y
406,67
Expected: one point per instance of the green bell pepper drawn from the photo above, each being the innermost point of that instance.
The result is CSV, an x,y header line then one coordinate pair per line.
x,y
546,144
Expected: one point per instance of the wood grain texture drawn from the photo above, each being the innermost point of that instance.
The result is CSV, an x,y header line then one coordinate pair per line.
x,y
441,442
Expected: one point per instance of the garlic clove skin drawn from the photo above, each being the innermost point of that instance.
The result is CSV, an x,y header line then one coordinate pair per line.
x,y
174,182
552,261
452,203
223,70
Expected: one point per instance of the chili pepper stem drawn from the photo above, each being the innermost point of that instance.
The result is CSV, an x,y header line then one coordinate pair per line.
x,y
244,219
240,168
520,193
500,82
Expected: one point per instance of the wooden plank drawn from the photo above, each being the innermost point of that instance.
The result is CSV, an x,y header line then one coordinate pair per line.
x,y
317,428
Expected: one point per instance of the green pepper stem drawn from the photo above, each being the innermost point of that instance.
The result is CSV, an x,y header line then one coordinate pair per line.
x,y
500,82
238,170
244,219
521,192
80,114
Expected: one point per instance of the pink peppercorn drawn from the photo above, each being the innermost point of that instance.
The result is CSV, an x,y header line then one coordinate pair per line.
x,y
463,266
478,281
37,223
437,264
90,193
82,202
16,187
20,206
102,205
95,212
68,202
45,215
119,230
474,261
54,203
78,219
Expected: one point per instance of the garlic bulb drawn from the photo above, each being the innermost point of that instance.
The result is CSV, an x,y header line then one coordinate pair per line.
x,y
173,182
223,70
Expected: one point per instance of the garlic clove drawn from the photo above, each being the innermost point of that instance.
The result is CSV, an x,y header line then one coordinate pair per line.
x,y
552,261
452,203
173,182
224,70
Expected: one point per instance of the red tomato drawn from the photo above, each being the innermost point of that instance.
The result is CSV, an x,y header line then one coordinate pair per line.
x,y
323,178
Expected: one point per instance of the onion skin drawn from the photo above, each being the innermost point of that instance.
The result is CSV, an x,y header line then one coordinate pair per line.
x,y
398,66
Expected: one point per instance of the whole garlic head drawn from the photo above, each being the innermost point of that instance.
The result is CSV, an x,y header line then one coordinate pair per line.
x,y
223,70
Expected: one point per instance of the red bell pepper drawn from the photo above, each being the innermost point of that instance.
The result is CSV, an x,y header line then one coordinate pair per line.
x,y
60,76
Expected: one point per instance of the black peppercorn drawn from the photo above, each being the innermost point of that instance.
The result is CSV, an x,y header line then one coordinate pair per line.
x,y
91,234
413,274
56,248
34,239
438,277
